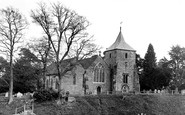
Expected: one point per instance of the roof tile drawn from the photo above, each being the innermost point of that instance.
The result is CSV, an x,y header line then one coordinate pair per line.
x,y
120,44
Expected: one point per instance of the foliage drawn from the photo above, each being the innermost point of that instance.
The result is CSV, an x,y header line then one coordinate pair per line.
x,y
155,76
139,63
160,78
4,70
149,65
26,72
42,49
3,85
139,66
3,65
45,95
149,60
177,65
181,87
164,64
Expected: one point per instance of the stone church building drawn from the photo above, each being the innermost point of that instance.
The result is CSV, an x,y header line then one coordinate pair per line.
x,y
115,72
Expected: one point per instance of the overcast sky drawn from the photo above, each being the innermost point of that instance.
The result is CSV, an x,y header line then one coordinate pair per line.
x,y
159,22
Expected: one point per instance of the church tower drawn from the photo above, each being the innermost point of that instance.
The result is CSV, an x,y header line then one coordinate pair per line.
x,y
121,59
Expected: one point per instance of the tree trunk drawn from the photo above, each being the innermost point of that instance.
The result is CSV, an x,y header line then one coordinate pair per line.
x,y
11,79
59,75
44,75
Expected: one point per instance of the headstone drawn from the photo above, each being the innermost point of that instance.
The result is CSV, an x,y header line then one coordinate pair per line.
x,y
6,94
183,92
19,95
155,91
58,102
28,95
163,92
176,91
71,99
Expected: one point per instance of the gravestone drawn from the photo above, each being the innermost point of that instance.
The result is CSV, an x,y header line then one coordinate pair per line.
x,y
176,91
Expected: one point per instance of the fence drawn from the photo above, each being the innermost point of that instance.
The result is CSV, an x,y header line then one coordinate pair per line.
x,y
162,92
28,107
158,92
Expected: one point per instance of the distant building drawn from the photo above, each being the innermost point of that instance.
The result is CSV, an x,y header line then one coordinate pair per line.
x,y
116,71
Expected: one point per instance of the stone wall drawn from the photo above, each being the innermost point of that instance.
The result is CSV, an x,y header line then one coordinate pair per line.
x,y
125,65
68,81
77,88
122,61
90,75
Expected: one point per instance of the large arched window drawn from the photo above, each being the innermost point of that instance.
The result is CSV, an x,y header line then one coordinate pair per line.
x,y
99,75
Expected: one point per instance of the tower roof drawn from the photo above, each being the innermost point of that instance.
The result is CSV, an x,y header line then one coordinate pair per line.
x,y
120,44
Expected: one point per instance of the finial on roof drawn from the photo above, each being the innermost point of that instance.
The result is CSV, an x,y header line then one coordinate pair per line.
x,y
100,53
120,25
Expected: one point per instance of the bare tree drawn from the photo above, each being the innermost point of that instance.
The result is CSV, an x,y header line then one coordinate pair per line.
x,y
12,24
65,29
83,48
42,49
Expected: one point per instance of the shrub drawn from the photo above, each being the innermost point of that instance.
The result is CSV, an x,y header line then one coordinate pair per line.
x,y
45,95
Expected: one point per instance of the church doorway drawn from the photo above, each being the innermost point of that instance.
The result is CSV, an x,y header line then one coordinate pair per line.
x,y
98,90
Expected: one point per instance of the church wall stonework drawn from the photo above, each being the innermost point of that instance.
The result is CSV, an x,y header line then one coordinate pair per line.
x,y
125,66
67,81
90,74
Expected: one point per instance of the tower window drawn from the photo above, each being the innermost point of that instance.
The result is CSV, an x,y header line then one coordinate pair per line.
x,y
125,78
126,64
74,79
110,55
115,69
126,55
56,84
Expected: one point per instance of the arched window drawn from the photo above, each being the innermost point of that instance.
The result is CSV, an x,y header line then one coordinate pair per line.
x,y
126,55
95,74
125,77
99,75
74,79
56,83
51,82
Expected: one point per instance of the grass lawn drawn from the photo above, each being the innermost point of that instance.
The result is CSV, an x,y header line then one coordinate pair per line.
x,y
111,105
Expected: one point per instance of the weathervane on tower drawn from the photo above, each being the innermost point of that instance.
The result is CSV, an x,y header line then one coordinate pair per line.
x,y
120,25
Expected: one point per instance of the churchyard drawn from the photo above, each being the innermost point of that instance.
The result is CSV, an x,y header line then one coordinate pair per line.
x,y
144,103
23,103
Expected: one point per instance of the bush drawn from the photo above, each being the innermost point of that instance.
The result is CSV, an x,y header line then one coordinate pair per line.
x,y
45,95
